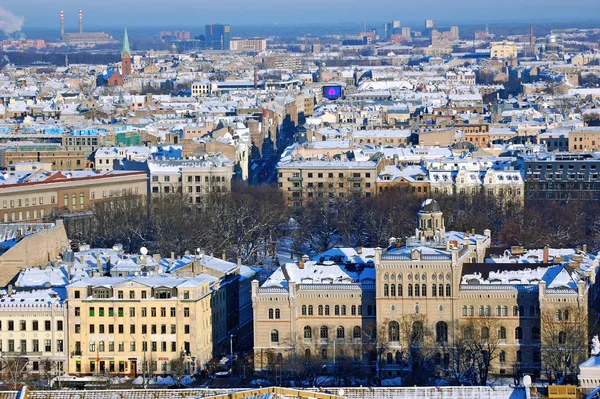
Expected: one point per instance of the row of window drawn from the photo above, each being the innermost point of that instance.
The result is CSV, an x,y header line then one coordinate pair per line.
x,y
416,290
35,325
193,179
121,312
330,175
502,311
154,329
21,216
19,202
110,346
35,346
325,310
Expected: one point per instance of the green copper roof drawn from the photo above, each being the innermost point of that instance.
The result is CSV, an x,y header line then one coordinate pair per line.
x,y
125,48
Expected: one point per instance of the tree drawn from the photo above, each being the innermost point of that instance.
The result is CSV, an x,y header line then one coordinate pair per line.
x,y
178,368
564,342
14,368
475,350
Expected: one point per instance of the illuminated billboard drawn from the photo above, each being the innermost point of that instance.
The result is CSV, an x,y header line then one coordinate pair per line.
x,y
332,92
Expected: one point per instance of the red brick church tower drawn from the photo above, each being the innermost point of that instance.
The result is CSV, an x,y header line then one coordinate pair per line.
x,y
125,56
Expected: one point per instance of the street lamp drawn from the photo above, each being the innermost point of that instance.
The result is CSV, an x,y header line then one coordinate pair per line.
x,y
231,352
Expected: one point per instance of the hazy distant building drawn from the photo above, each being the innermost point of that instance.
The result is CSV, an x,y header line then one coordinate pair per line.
x,y
429,23
503,50
255,44
217,37
454,32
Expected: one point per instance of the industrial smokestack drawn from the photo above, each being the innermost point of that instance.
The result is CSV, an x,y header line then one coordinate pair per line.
x,y
255,78
531,38
80,21
62,24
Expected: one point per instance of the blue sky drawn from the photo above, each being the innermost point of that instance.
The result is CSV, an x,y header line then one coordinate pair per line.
x,y
44,13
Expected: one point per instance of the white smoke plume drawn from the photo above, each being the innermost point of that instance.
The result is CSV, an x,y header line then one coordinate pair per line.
x,y
10,23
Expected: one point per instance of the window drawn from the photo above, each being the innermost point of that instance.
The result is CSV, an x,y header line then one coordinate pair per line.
x,y
47,345
562,337
326,310
186,312
353,310
340,332
92,311
303,310
518,333
310,310
502,357
277,314
441,332
274,336
307,332
336,310
394,331
485,333
448,290
271,313
324,332
535,334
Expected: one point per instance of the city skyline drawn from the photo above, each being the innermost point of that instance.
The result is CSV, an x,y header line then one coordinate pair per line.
x,y
188,13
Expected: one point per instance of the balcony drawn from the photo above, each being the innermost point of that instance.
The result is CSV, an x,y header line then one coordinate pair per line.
x,y
355,189
299,188
355,178
295,178
76,353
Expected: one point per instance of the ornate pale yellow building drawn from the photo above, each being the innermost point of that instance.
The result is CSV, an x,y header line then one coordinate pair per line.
x,y
377,305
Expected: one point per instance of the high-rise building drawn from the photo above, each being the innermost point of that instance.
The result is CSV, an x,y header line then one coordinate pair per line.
x,y
454,32
217,37
429,23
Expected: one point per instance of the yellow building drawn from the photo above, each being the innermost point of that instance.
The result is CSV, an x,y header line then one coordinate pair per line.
x,y
130,326
424,296
503,50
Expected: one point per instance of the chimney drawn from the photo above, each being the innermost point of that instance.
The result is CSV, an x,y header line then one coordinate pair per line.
x,y
359,250
62,24
545,255
224,255
69,271
80,21
239,261
255,78
585,248
10,290
99,264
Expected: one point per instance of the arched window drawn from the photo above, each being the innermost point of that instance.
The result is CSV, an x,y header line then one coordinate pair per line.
x,y
304,310
471,310
398,357
515,310
353,310
324,332
448,290
562,337
359,310
307,332
277,313
336,310
356,332
424,290
310,310
502,357
518,333
386,290
464,310
320,310
389,358
410,290
441,290
505,311
488,311
485,333
498,310
341,333
433,290
270,313
343,310
519,357
502,332
566,315
393,290
326,310
417,290
417,333
307,353
324,354
481,311
441,332
394,331
535,334
399,289
274,336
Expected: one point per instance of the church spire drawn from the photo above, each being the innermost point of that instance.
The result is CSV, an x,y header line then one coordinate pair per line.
x,y
125,48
